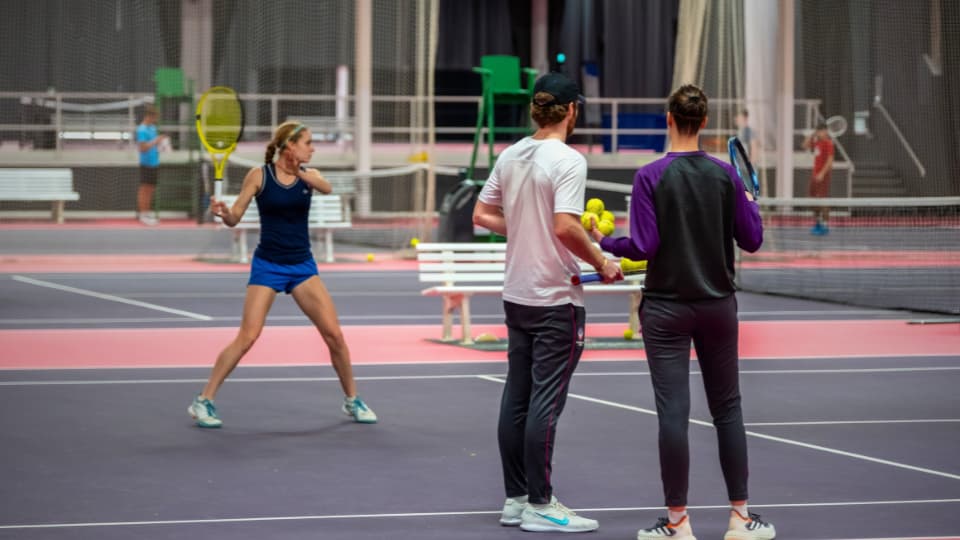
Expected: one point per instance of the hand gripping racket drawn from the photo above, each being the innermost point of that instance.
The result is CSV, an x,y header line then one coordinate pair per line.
x,y
220,126
626,265
738,158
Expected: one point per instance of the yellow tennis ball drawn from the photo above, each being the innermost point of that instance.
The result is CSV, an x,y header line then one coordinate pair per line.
x,y
586,218
369,257
628,334
608,215
606,227
414,241
595,206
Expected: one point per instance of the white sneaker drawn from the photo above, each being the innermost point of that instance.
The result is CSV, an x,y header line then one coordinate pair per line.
x,y
358,410
512,510
555,518
148,220
749,528
203,411
664,529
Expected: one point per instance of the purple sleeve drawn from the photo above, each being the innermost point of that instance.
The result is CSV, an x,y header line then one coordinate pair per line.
x,y
747,224
644,239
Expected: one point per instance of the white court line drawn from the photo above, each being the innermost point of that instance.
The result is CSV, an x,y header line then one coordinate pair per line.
x,y
110,297
242,294
846,422
489,376
792,442
238,380
239,274
446,514
423,319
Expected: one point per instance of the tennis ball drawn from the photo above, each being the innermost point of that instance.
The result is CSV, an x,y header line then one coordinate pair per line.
x,y
608,215
606,227
595,206
486,337
414,241
586,218
628,334
369,257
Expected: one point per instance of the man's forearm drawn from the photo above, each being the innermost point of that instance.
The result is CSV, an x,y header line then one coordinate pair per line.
x,y
574,238
495,223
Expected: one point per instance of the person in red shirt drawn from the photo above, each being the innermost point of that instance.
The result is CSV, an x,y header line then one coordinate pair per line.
x,y
820,143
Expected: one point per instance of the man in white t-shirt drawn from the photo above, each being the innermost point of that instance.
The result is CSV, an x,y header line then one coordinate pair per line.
x,y
534,196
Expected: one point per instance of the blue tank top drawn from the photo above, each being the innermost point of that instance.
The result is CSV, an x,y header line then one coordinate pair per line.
x,y
284,238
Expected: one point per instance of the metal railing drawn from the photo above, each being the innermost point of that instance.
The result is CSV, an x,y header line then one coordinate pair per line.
x,y
60,124
903,140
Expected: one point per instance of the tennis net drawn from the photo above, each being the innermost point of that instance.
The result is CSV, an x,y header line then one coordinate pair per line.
x,y
899,253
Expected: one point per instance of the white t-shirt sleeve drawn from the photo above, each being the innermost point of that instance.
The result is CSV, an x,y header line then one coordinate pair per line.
x,y
571,186
491,193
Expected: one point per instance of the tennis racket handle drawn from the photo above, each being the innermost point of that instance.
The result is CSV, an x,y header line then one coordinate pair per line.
x,y
585,278
217,189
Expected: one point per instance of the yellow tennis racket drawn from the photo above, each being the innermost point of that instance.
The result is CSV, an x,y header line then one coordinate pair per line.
x,y
220,126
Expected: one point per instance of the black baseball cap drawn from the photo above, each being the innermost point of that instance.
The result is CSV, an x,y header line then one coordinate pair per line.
x,y
560,87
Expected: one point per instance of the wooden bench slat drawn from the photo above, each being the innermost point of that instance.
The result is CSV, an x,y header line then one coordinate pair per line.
x,y
461,277
449,256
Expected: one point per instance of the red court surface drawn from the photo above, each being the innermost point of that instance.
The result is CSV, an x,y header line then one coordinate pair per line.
x,y
198,347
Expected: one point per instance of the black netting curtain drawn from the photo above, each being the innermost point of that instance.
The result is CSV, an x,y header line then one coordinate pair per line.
x,y
631,42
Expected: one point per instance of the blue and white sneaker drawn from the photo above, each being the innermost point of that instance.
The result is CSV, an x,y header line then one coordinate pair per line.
x,y
355,408
512,510
555,517
203,411
820,229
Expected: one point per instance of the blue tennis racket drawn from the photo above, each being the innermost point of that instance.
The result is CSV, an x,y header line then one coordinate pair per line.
x,y
739,160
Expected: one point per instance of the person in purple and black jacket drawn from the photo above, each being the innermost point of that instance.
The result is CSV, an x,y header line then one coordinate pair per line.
x,y
686,212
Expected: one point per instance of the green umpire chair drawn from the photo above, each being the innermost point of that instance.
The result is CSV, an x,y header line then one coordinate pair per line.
x,y
501,76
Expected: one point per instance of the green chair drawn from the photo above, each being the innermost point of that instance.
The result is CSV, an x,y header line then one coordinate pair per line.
x,y
169,83
171,89
501,86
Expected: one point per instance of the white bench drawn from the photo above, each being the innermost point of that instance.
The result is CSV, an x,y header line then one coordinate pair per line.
x,y
327,212
461,270
96,126
55,185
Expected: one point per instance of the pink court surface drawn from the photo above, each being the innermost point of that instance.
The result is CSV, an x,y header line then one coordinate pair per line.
x,y
390,344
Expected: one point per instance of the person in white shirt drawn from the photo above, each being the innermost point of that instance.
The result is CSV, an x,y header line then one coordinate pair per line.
x,y
535,197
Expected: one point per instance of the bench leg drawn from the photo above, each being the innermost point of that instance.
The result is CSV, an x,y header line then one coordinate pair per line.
x,y
240,246
450,304
466,334
328,244
57,211
634,320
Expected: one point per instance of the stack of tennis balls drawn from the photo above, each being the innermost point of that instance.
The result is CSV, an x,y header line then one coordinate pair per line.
x,y
597,212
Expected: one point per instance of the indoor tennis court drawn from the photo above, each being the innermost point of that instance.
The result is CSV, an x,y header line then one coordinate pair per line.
x,y
116,299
